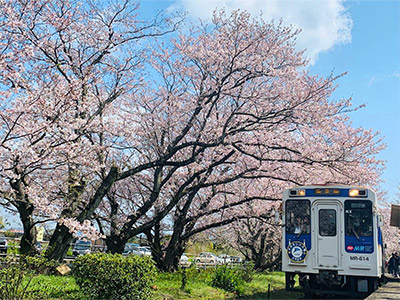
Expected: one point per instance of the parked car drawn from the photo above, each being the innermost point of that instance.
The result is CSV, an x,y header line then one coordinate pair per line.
x,y
3,244
184,260
145,250
136,249
81,247
225,258
131,249
207,258
236,259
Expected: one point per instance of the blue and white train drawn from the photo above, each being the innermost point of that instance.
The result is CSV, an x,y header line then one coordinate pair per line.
x,y
332,240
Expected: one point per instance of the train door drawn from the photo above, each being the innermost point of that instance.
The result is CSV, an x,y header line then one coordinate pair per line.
x,y
327,233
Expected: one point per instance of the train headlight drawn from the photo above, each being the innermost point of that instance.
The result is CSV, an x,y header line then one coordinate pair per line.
x,y
301,192
297,193
354,193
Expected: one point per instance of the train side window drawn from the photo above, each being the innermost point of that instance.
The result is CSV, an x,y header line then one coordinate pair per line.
x,y
298,217
327,222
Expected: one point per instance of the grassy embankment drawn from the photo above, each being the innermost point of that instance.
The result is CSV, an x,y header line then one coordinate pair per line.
x,y
168,286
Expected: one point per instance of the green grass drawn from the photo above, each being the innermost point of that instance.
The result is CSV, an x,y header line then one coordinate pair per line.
x,y
54,287
274,282
197,287
168,286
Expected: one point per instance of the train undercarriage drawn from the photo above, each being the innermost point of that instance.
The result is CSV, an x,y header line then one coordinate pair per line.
x,y
330,283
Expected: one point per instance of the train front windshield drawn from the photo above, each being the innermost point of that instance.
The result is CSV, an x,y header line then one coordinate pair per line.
x,y
298,217
358,218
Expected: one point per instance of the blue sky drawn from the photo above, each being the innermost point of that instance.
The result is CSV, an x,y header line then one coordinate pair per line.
x,y
372,60
358,37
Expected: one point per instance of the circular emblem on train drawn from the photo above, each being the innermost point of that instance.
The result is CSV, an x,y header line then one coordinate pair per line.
x,y
297,252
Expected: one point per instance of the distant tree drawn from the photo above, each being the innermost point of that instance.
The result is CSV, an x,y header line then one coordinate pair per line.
x,y
391,234
2,225
259,241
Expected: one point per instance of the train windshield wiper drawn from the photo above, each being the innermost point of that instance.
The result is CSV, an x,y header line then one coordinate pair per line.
x,y
355,234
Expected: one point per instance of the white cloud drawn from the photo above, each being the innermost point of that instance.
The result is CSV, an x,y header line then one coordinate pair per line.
x,y
324,23
372,80
379,78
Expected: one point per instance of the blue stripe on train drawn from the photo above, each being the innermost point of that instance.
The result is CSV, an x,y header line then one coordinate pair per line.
x,y
359,245
304,238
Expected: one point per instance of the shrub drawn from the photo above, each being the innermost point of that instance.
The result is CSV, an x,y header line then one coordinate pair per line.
x,y
196,274
12,247
227,279
16,276
39,264
12,285
113,276
246,271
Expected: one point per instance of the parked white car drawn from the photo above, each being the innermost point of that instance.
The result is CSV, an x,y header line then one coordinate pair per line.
x,y
136,249
145,250
236,259
225,258
208,258
131,249
184,260
3,244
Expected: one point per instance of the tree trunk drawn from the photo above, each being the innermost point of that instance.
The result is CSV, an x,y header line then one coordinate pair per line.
x,y
59,243
259,261
116,243
62,238
25,209
175,248
270,264
172,255
28,239
157,252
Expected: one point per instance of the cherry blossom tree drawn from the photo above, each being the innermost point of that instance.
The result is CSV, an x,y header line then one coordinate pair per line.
x,y
64,64
100,122
259,240
233,119
391,234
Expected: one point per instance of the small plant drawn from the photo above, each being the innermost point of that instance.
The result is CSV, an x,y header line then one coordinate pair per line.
x,y
228,280
12,283
16,276
113,276
12,247
246,271
184,279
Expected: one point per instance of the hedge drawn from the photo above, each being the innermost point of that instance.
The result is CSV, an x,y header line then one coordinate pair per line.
x,y
113,276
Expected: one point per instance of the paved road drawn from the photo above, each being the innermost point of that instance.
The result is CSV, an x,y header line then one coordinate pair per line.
x,y
389,291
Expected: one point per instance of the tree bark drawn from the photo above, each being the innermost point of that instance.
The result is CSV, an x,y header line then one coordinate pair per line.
x,y
28,239
116,243
61,239
175,247
166,259
59,243
25,209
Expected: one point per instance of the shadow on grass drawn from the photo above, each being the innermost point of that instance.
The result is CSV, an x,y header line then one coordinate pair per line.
x,y
275,294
